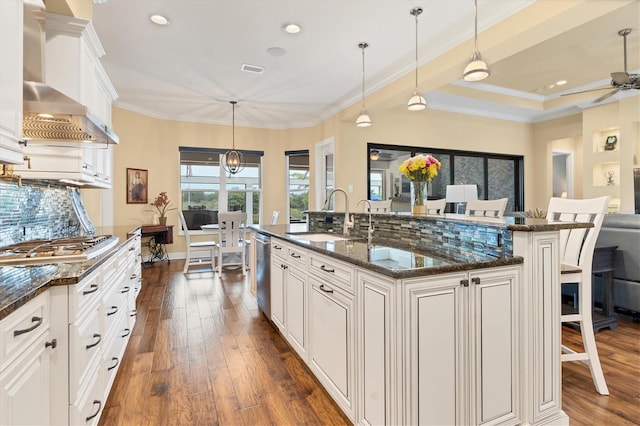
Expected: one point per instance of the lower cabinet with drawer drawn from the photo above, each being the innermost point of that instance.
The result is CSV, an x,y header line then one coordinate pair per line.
x,y
94,321
25,364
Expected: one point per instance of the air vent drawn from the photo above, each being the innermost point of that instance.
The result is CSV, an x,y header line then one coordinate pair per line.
x,y
59,129
256,69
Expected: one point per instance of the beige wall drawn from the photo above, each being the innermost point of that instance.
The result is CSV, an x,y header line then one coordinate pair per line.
x,y
152,144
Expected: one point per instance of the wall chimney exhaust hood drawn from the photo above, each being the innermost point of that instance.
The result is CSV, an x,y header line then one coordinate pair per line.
x,y
49,115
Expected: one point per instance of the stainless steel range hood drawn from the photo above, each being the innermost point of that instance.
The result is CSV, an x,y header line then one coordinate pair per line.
x,y
50,115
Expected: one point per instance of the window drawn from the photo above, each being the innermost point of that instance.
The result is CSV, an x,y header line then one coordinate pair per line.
x,y
206,189
298,184
496,175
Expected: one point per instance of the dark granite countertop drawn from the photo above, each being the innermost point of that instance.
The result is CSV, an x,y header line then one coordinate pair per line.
x,y
19,284
383,256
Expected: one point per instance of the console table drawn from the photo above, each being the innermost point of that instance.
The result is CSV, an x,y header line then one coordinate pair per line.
x,y
159,235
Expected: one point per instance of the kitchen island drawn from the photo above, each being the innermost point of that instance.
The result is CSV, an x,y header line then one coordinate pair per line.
x,y
433,320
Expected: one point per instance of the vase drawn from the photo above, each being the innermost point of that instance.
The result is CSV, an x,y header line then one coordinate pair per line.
x,y
162,220
419,197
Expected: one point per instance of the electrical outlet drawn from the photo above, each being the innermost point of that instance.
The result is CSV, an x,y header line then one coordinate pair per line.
x,y
350,188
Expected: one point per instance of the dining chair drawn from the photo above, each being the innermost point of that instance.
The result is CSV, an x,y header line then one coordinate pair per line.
x,y
379,206
576,251
231,239
197,246
436,206
486,208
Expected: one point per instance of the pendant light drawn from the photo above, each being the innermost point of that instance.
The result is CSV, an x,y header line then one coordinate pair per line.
x,y
363,119
233,160
477,69
417,101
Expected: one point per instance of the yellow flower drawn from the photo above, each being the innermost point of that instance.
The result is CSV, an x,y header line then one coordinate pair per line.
x,y
420,168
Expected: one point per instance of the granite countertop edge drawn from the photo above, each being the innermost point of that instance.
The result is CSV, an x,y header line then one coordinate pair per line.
x,y
280,231
31,281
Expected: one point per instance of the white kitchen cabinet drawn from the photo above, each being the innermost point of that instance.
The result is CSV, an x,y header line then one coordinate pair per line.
x,y
81,75
289,294
25,364
296,309
332,341
277,293
24,387
377,346
11,16
461,348
99,313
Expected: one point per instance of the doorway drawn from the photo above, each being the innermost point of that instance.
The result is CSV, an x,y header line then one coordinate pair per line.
x,y
562,175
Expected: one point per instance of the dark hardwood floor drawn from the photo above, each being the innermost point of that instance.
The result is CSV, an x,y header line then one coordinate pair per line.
x,y
202,354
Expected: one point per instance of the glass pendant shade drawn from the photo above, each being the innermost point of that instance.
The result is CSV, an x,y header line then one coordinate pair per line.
x,y
233,161
477,69
363,120
417,102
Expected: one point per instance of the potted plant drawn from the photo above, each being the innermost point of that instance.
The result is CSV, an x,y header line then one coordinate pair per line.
x,y
162,205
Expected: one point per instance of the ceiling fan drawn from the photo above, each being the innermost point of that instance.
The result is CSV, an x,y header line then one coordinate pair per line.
x,y
619,80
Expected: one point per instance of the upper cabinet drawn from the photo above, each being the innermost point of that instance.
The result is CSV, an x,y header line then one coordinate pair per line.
x,y
11,13
72,64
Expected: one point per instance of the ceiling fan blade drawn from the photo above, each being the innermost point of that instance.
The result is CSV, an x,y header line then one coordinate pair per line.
x,y
585,91
605,96
620,77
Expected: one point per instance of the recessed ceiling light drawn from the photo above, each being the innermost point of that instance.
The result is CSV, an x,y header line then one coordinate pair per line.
x,y
291,28
276,51
561,82
159,20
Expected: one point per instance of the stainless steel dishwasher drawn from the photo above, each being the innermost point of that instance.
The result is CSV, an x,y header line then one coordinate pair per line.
x,y
263,272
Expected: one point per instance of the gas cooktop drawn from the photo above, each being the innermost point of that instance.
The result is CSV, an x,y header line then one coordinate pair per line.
x,y
59,250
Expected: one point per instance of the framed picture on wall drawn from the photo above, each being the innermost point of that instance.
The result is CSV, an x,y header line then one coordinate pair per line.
x,y
137,184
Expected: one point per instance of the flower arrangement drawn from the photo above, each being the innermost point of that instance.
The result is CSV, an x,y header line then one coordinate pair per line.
x,y
421,168
162,204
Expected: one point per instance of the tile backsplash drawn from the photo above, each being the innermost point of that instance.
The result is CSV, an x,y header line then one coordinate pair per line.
x,y
37,209
451,238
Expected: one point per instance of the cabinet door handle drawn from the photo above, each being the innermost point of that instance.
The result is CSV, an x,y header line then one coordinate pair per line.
x,y
125,289
295,256
132,248
36,320
133,313
94,288
52,343
95,401
277,247
475,280
114,365
324,268
127,331
325,289
115,309
99,337
464,283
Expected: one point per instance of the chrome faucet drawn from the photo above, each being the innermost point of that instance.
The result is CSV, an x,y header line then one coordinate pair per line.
x,y
348,224
370,229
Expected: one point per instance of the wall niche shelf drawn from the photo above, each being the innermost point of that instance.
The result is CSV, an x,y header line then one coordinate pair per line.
x,y
606,174
606,140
